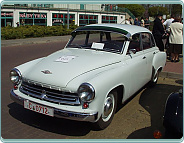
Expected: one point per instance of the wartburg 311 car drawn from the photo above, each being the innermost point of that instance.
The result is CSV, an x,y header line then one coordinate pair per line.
x,y
101,66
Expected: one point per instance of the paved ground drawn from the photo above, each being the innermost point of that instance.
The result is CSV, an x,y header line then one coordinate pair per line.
x,y
139,118
41,40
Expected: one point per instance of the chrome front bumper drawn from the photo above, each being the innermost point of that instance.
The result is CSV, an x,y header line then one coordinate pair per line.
x,y
61,113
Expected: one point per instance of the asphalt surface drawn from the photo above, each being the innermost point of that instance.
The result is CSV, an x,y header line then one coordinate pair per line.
x,y
29,41
137,119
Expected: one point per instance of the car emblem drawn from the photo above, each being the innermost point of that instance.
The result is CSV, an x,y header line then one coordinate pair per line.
x,y
43,95
46,72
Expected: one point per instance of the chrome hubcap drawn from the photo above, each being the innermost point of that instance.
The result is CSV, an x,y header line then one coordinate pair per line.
x,y
108,107
155,77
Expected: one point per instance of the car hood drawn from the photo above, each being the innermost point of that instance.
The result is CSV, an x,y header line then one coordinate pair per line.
x,y
61,67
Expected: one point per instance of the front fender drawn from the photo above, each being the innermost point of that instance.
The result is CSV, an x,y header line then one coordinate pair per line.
x,y
26,66
105,82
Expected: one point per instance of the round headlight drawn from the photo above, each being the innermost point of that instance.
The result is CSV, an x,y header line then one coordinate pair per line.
x,y
15,76
86,92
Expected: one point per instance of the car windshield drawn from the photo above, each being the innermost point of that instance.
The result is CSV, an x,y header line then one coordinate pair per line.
x,y
97,40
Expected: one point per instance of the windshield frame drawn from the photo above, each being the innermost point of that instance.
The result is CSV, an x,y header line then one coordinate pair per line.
x,y
74,34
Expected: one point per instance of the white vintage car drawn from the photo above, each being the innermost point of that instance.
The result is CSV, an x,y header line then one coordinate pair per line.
x,y
100,67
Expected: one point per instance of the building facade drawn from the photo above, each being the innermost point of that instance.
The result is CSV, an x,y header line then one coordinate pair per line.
x,y
57,14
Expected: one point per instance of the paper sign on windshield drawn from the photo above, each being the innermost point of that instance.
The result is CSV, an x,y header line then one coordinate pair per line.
x,y
65,59
97,45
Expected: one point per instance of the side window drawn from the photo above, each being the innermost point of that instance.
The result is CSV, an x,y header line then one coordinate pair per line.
x,y
152,41
114,41
135,43
147,41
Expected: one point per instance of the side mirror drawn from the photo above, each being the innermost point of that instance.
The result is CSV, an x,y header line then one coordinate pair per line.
x,y
132,51
73,34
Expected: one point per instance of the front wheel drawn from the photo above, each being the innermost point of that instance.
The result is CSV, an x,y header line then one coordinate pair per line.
x,y
109,109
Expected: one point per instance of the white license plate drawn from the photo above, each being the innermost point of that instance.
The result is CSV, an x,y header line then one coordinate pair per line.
x,y
39,108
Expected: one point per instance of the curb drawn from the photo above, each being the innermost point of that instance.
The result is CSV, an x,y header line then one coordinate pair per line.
x,y
171,75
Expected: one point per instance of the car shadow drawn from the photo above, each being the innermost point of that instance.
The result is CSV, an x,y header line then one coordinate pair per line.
x,y
49,124
153,101
179,82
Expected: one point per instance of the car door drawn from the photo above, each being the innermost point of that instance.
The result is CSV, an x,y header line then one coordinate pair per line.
x,y
136,63
149,49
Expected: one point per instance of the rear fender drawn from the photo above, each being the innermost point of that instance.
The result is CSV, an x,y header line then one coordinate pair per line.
x,y
159,61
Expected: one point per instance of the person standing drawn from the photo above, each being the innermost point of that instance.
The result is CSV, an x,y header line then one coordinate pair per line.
x,y
167,23
136,22
17,24
130,20
142,22
175,39
127,22
147,23
158,32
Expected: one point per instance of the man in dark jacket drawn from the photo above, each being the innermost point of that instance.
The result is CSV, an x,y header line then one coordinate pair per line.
x,y
158,31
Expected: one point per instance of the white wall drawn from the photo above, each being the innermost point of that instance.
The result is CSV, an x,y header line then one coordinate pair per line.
x,y
15,18
77,6
93,7
121,19
71,6
49,20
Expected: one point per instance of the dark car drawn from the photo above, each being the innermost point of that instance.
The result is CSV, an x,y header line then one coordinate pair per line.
x,y
173,115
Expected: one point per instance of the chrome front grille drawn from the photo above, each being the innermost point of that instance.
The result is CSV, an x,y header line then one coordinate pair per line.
x,y
47,94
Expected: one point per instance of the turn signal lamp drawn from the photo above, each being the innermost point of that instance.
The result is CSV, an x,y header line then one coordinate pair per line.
x,y
85,105
15,87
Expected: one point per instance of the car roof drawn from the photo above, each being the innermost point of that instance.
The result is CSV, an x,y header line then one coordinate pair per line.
x,y
127,30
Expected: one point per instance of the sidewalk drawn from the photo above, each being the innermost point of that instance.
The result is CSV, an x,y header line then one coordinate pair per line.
x,y
171,70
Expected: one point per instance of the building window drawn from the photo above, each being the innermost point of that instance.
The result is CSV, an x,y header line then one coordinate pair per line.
x,y
61,19
6,19
85,19
33,18
40,5
48,5
22,5
109,19
81,6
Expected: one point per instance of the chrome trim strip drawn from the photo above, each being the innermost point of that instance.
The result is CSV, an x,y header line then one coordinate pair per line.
x,y
90,117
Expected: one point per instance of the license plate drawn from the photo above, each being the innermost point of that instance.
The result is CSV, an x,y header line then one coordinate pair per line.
x,y
38,108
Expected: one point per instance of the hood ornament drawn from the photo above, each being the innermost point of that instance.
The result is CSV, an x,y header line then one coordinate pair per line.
x,y
46,72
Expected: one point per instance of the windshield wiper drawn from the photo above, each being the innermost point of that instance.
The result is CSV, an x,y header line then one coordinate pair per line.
x,y
112,50
75,46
